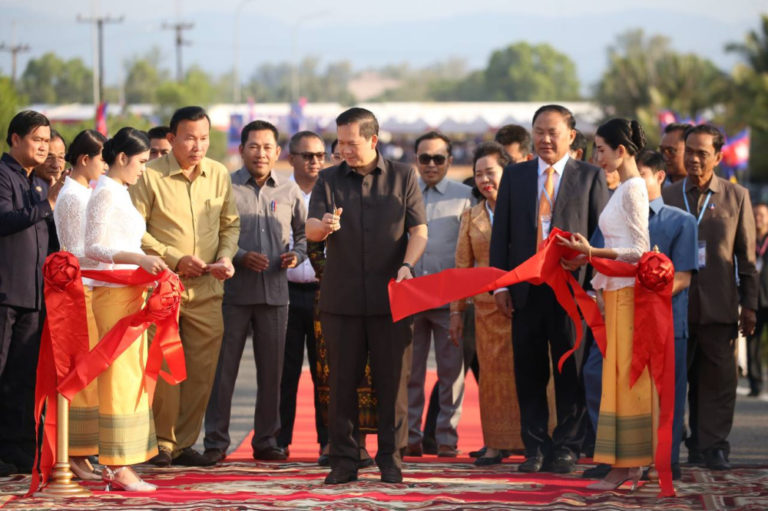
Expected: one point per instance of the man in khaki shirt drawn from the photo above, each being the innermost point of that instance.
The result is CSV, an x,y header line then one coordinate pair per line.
x,y
192,223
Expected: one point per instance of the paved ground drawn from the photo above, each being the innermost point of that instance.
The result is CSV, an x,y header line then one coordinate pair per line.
x,y
748,437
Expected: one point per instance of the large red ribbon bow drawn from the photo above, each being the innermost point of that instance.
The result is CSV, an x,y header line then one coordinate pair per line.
x,y
653,338
67,365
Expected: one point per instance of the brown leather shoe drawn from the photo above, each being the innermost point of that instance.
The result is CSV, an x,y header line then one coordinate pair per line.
x,y
214,455
162,458
414,449
447,451
270,454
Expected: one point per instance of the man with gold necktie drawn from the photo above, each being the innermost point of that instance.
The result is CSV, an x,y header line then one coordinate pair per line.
x,y
552,190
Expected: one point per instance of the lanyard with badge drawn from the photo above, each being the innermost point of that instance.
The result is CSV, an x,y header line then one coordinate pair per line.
x,y
702,243
760,254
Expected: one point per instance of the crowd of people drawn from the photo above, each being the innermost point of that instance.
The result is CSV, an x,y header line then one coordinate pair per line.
x,y
303,263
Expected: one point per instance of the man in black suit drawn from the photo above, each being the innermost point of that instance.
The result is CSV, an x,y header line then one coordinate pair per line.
x,y
552,190
25,208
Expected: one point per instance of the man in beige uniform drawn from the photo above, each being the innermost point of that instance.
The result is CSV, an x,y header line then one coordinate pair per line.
x,y
192,223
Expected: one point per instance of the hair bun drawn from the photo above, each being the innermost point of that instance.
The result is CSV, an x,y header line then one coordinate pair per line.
x,y
637,135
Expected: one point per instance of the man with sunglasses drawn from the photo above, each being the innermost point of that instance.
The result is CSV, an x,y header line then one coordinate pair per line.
x,y
444,201
307,157
672,149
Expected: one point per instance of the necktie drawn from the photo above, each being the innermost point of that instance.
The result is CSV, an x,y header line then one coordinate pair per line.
x,y
545,206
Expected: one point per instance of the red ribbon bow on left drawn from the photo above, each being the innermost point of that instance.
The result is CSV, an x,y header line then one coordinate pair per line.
x,y
66,365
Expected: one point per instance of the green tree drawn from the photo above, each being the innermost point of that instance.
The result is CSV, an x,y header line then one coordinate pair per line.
x,y
49,79
645,75
750,98
143,77
9,105
522,72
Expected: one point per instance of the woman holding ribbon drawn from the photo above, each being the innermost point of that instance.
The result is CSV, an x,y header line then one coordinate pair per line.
x,y
113,238
87,165
625,426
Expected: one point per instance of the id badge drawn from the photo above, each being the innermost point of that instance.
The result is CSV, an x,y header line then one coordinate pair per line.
x,y
759,265
702,254
546,225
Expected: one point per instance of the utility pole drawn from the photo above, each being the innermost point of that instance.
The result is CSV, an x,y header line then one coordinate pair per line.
x,y
179,27
14,50
99,21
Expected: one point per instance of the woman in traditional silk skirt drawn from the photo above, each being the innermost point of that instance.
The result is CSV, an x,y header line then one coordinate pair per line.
x,y
113,238
499,409
625,427
87,165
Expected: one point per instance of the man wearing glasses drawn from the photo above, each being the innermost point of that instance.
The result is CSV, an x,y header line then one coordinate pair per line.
x,y
307,157
726,280
672,148
444,201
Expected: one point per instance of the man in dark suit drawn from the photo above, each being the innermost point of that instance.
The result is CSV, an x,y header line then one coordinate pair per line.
x,y
552,190
24,211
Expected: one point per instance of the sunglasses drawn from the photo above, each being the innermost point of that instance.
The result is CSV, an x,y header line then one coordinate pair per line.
x,y
311,156
425,158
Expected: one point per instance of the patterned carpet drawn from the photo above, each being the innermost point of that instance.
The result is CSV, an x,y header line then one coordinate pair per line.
x,y
427,486
430,483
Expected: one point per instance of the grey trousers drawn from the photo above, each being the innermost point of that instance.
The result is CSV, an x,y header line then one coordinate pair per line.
x,y
450,377
269,323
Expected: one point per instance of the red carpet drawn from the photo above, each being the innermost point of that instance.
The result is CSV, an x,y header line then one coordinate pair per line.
x,y
430,483
305,446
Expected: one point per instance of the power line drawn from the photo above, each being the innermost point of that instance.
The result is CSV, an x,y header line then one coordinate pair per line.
x,y
179,28
99,21
14,50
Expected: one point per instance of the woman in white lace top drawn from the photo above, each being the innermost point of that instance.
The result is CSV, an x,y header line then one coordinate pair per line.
x,y
625,426
113,238
87,165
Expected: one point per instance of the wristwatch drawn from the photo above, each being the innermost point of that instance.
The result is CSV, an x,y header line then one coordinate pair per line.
x,y
410,268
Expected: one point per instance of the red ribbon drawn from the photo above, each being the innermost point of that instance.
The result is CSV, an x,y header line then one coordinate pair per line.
x,y
65,363
653,340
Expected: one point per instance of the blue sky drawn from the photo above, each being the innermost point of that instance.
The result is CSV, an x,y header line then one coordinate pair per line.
x,y
370,34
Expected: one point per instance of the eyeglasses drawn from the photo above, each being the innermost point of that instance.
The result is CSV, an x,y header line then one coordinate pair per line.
x,y
425,158
667,150
311,156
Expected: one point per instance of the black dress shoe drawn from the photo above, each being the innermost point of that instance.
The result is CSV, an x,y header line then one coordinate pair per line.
x,y
324,460
7,469
695,457
391,475
214,455
597,472
340,475
483,461
365,462
162,458
715,460
478,453
270,454
191,458
532,464
429,445
563,463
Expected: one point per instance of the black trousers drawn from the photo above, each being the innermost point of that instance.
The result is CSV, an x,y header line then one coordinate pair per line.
x,y
300,333
754,362
712,382
349,340
19,347
538,328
